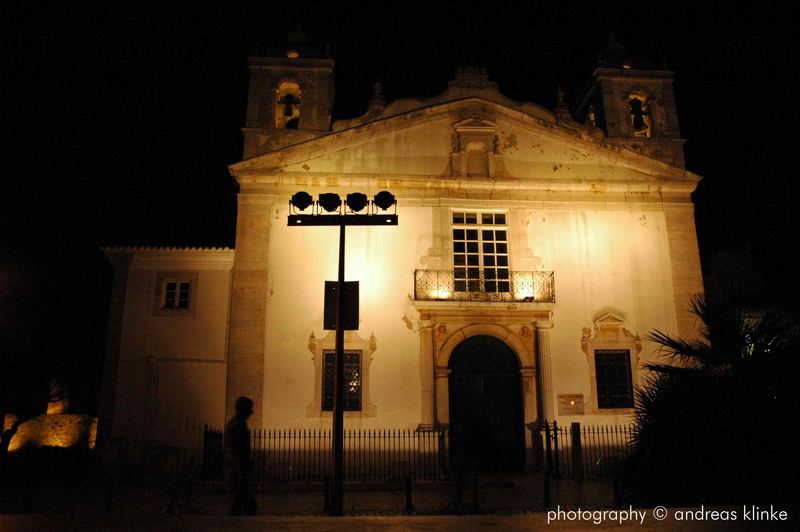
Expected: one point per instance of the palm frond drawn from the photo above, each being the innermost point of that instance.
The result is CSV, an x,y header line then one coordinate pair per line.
x,y
708,402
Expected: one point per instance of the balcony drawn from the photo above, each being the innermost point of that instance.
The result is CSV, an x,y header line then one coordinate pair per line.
x,y
523,287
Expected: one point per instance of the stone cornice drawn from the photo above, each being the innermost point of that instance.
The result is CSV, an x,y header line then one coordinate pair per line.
x,y
175,258
135,249
281,63
429,186
511,312
267,130
638,74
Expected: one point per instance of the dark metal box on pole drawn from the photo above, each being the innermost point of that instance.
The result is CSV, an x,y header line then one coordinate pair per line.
x,y
350,311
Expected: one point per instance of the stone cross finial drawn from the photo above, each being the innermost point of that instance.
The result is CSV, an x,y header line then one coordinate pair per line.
x,y
377,100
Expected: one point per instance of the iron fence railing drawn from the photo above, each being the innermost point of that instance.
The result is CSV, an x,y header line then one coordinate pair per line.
x,y
588,451
304,455
480,285
369,455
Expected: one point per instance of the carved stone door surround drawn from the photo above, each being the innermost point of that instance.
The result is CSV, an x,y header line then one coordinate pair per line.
x,y
443,325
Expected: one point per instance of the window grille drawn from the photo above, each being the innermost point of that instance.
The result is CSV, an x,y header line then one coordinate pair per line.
x,y
613,374
352,380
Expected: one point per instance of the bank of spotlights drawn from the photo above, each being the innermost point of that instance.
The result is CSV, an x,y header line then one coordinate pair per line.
x,y
331,204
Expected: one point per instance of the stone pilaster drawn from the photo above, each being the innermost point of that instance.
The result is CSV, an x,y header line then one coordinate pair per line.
x,y
121,263
151,420
249,306
687,278
528,375
544,369
426,370
442,395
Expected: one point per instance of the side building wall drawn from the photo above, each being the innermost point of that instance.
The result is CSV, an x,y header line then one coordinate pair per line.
x,y
172,358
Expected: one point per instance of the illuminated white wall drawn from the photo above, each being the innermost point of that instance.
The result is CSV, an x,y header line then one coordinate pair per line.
x,y
614,258
383,260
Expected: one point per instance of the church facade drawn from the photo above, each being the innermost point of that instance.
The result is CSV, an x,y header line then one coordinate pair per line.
x,y
534,251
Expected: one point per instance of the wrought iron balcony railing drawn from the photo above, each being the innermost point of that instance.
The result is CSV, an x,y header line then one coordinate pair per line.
x,y
483,285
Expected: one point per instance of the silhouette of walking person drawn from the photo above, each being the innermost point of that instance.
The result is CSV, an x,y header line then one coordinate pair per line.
x,y
238,466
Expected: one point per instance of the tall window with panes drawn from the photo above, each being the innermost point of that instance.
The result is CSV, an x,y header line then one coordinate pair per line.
x,y
480,252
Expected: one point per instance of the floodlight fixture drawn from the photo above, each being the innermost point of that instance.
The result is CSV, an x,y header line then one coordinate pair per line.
x,y
384,199
357,201
301,200
330,201
330,209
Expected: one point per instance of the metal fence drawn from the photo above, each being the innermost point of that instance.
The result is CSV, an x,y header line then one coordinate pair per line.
x,y
589,451
369,455
443,285
304,455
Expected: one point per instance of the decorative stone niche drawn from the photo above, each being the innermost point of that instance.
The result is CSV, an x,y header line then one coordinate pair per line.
x,y
352,342
609,334
475,152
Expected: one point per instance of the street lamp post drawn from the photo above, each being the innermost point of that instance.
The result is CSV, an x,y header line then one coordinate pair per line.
x,y
330,210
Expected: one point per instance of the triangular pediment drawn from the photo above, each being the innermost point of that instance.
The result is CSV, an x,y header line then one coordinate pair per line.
x,y
608,327
432,142
474,123
609,320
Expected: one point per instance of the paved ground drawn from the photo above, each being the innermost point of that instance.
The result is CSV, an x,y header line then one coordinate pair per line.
x,y
504,504
195,523
495,495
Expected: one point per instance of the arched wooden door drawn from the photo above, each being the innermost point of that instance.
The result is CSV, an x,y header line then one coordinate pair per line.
x,y
486,417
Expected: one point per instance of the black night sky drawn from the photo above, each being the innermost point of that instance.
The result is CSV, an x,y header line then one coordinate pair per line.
x,y
120,121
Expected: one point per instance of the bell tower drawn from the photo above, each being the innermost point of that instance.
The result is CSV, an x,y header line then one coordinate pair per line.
x,y
290,97
633,102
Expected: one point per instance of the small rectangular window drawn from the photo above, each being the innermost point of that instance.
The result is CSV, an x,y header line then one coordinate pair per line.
x,y
175,294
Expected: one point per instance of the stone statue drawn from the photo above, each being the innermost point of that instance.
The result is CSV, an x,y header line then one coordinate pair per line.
x,y
58,402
